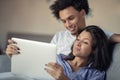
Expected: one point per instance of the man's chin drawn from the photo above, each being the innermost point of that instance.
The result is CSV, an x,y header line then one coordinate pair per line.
x,y
73,33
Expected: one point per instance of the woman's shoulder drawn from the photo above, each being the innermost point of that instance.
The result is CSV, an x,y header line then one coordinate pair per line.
x,y
88,73
61,56
95,73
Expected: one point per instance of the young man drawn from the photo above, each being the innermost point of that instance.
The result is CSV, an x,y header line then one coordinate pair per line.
x,y
72,13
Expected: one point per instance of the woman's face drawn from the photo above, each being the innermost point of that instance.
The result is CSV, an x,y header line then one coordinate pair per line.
x,y
83,45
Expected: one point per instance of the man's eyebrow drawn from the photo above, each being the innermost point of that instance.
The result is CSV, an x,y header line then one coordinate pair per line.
x,y
67,17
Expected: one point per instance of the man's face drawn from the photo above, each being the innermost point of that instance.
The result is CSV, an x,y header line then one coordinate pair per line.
x,y
72,19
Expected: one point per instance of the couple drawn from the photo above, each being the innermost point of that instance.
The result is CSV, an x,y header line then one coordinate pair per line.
x,y
72,13
89,58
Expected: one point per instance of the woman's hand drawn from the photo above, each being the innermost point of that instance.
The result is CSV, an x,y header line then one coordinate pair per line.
x,y
11,49
56,71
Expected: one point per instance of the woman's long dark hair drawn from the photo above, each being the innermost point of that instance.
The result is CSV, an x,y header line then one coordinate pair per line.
x,y
100,58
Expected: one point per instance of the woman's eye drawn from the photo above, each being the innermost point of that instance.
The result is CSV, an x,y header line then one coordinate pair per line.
x,y
77,40
86,42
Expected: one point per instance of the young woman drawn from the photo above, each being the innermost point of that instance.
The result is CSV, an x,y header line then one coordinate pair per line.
x,y
88,60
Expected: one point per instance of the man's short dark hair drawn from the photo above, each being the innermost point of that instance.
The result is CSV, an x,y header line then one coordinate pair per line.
x,y
62,4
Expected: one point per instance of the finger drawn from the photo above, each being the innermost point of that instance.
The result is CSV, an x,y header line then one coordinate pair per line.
x,y
51,65
51,72
55,65
11,52
12,46
15,46
11,41
11,49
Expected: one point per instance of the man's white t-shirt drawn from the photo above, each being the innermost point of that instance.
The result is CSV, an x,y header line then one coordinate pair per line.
x,y
64,41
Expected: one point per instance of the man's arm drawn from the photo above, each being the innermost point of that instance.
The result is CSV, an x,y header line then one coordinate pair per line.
x,y
115,38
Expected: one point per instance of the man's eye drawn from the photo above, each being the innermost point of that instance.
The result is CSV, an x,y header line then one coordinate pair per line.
x,y
63,21
71,18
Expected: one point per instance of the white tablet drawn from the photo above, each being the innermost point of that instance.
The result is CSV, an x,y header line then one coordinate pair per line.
x,y
32,58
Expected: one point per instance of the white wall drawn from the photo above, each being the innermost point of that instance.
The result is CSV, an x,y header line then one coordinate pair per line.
x,y
34,16
106,14
26,16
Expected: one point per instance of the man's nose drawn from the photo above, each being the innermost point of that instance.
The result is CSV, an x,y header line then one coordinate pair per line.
x,y
68,24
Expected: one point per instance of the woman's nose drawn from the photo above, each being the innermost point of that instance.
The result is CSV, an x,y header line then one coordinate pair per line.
x,y
79,43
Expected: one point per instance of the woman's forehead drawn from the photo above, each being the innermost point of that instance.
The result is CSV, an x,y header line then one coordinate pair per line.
x,y
85,34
